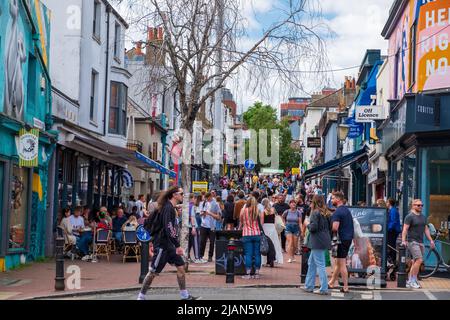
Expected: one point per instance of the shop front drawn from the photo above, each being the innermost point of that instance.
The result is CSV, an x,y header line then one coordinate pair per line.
x,y
419,157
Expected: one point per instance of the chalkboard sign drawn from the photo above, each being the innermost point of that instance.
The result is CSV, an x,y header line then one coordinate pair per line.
x,y
368,252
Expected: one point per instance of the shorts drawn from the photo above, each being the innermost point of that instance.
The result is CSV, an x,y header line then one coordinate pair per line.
x,y
416,250
343,248
293,229
162,257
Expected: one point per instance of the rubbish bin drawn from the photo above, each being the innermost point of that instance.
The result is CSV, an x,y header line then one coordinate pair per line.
x,y
222,238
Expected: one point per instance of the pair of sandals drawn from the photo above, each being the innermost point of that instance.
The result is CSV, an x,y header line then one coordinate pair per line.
x,y
341,290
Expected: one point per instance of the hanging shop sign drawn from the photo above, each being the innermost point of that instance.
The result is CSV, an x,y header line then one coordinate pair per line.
x,y
314,142
28,147
355,130
368,113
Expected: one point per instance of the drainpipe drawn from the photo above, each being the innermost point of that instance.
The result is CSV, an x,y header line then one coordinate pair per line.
x,y
108,11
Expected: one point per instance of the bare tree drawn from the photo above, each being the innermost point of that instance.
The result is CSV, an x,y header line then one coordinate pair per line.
x,y
206,43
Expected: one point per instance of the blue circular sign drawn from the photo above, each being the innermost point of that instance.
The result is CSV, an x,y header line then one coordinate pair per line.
x,y
249,164
142,234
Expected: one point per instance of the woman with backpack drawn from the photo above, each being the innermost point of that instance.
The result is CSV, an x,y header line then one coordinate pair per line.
x,y
250,220
293,221
319,242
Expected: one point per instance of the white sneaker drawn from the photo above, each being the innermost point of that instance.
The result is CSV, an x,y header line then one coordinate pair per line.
x,y
141,296
86,258
290,261
413,285
417,285
408,284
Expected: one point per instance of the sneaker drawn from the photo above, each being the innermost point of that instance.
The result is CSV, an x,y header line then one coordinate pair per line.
x,y
190,297
408,284
256,276
323,293
86,258
290,261
141,296
247,277
307,290
415,285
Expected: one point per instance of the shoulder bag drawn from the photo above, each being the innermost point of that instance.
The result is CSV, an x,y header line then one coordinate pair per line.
x,y
264,244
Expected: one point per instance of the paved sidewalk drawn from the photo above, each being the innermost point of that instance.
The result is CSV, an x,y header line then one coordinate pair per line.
x,y
37,280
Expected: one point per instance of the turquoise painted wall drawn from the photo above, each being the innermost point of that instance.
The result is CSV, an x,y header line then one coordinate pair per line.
x,y
24,56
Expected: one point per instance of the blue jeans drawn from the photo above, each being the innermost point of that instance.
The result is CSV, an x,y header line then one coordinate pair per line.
x,y
252,250
84,241
316,263
118,236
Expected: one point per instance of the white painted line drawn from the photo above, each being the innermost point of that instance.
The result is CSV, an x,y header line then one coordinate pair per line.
x,y
367,296
429,295
338,294
377,295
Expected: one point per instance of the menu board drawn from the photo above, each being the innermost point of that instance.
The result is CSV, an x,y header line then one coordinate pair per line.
x,y
368,251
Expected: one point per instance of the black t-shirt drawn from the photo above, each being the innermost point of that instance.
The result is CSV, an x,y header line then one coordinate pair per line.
x,y
305,210
345,219
280,208
417,223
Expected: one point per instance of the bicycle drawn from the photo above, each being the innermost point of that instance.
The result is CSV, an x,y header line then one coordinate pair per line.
x,y
432,257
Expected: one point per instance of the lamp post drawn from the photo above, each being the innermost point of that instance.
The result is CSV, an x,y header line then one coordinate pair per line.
x,y
343,130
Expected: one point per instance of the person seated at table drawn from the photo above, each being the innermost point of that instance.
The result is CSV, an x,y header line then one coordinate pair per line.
x,y
131,224
117,224
76,221
67,227
86,237
107,215
102,220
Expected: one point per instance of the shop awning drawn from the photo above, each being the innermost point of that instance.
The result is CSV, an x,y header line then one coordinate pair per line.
x,y
335,164
155,164
126,156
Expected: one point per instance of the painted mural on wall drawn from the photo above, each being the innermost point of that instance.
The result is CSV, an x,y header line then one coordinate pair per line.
x,y
14,98
432,54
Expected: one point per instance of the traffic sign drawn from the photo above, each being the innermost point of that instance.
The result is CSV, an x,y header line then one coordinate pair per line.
x,y
142,235
249,164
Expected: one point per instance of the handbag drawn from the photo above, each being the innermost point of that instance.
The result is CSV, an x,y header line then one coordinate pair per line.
x,y
264,244
279,224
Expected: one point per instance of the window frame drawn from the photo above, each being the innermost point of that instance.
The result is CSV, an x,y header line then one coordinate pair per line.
x,y
93,96
120,110
117,38
96,27
412,54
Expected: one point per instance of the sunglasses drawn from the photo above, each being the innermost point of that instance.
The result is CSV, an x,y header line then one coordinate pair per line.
x,y
419,205
180,193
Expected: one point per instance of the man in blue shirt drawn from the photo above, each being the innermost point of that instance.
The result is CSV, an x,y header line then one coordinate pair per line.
x,y
393,230
342,221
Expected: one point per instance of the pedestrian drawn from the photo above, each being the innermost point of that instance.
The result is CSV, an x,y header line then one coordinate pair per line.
x,y
381,203
393,230
130,204
210,214
342,226
293,221
228,217
219,223
166,245
140,204
251,237
280,207
319,242
271,232
414,227
225,191
194,232
238,207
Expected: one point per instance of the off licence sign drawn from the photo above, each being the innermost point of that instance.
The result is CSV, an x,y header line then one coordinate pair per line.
x,y
315,142
369,113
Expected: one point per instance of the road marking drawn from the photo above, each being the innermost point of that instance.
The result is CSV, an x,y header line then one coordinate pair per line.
x,y
429,295
367,296
377,295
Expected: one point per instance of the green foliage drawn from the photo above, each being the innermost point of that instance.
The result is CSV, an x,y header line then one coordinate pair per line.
x,y
261,116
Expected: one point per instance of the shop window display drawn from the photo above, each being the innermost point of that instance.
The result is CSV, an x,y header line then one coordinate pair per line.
x,y
18,207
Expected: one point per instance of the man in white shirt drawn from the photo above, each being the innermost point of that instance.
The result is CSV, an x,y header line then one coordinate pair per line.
x,y
140,204
77,221
224,194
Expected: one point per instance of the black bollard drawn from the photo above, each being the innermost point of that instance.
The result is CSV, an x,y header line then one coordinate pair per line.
x,y
304,267
230,261
401,274
59,279
144,260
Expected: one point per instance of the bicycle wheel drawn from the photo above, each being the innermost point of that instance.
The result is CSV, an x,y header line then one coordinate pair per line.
x,y
431,260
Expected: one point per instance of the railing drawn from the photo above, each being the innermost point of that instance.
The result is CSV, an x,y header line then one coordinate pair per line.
x,y
134,145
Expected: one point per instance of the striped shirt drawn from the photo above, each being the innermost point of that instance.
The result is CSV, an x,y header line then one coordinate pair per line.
x,y
249,227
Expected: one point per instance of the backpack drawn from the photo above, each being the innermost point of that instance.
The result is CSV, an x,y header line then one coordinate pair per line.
x,y
152,223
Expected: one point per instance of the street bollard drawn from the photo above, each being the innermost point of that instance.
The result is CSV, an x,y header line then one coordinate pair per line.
x,y
304,266
59,259
144,260
230,261
401,274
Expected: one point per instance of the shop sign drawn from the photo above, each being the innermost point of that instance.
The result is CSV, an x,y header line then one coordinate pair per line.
x,y
365,167
367,253
356,129
295,171
199,186
28,148
427,112
372,176
369,113
314,142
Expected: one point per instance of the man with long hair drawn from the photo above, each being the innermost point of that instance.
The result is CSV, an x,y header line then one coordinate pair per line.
x,y
167,248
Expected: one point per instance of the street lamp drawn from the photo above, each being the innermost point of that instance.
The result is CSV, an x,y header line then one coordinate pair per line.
x,y
343,130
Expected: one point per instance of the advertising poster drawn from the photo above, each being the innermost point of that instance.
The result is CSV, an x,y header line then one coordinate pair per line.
x,y
368,251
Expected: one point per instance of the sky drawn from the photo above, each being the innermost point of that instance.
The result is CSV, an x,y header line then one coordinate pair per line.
x,y
356,25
